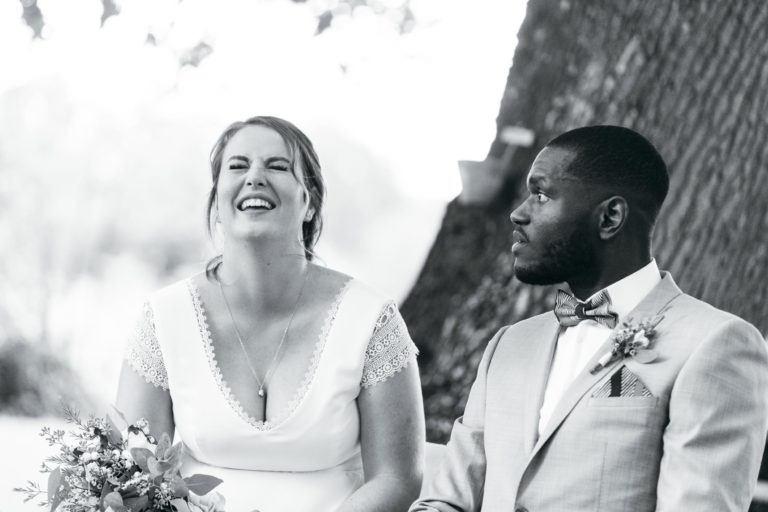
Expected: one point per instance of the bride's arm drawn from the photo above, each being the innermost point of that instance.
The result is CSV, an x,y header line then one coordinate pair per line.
x,y
392,434
143,389
136,398
392,442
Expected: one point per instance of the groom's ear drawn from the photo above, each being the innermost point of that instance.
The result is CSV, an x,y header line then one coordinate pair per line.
x,y
613,214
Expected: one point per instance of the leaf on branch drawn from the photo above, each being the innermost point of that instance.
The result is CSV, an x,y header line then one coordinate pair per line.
x,y
54,481
163,445
157,467
137,503
113,500
141,456
180,505
202,484
179,487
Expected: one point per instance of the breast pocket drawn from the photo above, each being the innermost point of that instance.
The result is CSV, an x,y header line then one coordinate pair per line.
x,y
624,402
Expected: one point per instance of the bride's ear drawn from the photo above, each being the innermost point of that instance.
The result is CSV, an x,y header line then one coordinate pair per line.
x,y
309,215
613,214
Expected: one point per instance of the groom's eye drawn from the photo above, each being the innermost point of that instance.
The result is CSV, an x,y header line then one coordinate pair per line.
x,y
540,197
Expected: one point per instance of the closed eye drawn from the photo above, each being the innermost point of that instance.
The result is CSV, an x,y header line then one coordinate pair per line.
x,y
278,163
238,163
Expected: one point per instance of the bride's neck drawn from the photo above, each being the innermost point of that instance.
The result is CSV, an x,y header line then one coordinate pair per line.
x,y
265,277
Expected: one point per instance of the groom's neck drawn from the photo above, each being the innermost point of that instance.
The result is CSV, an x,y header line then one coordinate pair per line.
x,y
612,266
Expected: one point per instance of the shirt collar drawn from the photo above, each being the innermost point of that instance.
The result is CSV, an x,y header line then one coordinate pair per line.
x,y
628,292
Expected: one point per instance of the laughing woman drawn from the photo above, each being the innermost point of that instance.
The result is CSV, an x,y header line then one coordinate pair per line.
x,y
295,384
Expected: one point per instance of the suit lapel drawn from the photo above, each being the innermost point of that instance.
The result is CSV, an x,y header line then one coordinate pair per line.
x,y
536,373
664,293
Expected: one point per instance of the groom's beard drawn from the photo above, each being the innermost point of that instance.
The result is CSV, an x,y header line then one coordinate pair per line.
x,y
560,261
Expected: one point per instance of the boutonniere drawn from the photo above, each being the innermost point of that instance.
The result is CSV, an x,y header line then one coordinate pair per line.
x,y
633,340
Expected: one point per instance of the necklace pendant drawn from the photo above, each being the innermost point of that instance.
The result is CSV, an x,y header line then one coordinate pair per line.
x,y
261,392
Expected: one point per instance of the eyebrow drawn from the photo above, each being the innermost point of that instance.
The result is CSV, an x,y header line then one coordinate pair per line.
x,y
537,181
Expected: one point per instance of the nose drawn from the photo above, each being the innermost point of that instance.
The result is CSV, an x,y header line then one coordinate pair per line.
x,y
519,215
256,177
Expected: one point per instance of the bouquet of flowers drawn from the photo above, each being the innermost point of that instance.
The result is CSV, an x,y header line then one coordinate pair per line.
x,y
103,468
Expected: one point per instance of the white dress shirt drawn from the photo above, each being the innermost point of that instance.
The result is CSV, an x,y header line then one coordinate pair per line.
x,y
576,345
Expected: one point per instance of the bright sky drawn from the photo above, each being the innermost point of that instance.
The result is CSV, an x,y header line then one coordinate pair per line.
x,y
100,129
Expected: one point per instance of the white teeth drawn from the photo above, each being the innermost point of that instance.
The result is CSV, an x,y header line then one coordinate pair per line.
x,y
256,202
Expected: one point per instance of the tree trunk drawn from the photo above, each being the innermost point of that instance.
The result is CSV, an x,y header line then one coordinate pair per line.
x,y
692,76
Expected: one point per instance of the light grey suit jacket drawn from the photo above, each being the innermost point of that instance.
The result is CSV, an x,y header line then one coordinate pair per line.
x,y
694,445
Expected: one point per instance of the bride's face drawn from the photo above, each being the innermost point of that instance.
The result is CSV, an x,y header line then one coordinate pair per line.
x,y
260,193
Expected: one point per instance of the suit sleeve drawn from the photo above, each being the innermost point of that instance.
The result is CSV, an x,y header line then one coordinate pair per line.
x,y
718,417
457,484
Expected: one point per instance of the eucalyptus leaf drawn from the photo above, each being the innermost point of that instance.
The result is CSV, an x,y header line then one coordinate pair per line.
x,y
180,505
54,481
137,502
163,445
113,500
157,467
202,484
174,453
140,456
179,487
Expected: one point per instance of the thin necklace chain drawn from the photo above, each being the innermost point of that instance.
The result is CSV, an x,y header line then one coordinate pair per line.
x,y
273,364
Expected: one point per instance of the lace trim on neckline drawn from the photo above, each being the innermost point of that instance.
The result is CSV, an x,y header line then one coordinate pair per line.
x,y
309,374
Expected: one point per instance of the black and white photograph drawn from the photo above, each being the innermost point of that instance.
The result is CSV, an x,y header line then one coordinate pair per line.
x,y
383,256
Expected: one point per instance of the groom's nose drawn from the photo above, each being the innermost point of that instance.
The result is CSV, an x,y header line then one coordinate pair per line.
x,y
519,216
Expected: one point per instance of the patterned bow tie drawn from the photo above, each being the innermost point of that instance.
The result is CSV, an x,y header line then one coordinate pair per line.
x,y
570,311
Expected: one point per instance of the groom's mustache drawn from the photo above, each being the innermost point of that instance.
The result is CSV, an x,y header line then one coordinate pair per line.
x,y
519,236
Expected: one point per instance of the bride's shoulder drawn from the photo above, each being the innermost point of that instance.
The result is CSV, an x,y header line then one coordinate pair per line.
x,y
180,288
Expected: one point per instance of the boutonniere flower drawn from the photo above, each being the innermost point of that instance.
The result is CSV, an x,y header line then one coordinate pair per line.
x,y
633,340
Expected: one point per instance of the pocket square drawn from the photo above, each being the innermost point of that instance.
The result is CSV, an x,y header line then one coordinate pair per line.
x,y
623,384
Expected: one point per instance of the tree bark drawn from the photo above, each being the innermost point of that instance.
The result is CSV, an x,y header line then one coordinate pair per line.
x,y
692,77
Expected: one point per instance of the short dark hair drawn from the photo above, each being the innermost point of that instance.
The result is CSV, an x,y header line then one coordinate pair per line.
x,y
618,159
302,154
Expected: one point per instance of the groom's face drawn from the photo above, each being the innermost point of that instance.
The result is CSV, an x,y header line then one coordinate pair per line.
x,y
553,239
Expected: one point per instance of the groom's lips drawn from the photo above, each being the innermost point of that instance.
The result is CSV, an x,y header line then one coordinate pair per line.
x,y
518,239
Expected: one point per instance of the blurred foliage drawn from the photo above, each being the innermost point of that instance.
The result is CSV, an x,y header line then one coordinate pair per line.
x,y
34,382
399,13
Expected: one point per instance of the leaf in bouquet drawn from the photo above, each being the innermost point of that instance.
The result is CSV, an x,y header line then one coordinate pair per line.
x,y
113,500
179,487
54,481
157,467
137,502
180,505
202,484
163,445
140,456
174,457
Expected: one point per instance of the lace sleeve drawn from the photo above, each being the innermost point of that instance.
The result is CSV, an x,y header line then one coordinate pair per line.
x,y
143,353
390,348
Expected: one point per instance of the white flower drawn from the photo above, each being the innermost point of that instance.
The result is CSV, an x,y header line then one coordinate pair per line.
x,y
211,502
640,340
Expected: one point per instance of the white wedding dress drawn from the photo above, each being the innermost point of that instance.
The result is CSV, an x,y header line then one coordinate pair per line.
x,y
306,458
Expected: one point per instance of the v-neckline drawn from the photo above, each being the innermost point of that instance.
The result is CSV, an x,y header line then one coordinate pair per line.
x,y
309,375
